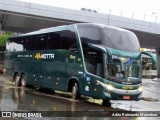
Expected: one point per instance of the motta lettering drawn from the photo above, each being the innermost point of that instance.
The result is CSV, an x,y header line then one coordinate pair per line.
x,y
44,56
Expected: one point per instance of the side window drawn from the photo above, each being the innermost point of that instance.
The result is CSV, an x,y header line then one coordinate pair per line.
x,y
30,43
40,42
94,62
89,34
54,40
12,45
20,44
68,40
16,44
8,45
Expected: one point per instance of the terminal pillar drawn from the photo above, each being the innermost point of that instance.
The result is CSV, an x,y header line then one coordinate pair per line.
x,y
0,28
158,61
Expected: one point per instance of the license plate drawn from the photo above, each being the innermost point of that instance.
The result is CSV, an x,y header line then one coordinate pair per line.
x,y
126,97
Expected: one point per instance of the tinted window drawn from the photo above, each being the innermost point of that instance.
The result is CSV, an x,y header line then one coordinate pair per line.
x,y
20,44
8,46
68,40
16,44
89,34
30,43
54,40
41,42
94,61
57,40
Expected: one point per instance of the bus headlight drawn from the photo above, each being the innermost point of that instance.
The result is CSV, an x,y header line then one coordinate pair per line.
x,y
109,87
4,71
140,89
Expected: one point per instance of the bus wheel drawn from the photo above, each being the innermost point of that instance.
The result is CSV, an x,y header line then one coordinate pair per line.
x,y
106,103
23,80
17,80
75,91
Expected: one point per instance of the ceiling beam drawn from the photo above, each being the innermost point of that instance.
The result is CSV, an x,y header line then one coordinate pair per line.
x,y
3,21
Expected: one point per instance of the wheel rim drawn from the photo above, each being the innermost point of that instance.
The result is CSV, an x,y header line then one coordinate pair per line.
x,y
23,82
16,80
74,91
15,95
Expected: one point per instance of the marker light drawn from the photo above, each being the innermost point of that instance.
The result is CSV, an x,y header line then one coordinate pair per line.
x,y
122,58
95,89
109,87
140,89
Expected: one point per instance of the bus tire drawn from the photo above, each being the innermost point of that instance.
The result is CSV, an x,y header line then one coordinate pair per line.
x,y
75,91
17,80
23,80
106,103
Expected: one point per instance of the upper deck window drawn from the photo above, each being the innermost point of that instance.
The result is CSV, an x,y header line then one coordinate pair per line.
x,y
108,36
64,39
40,42
89,34
16,45
68,40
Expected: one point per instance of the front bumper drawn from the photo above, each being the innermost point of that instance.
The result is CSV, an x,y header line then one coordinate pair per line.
x,y
119,94
112,93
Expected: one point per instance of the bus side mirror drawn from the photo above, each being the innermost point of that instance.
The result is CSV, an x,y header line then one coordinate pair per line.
x,y
109,58
153,58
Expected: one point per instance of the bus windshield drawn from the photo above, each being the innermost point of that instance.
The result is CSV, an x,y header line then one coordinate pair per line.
x,y
121,67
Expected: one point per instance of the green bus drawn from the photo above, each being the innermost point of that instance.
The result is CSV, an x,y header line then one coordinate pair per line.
x,y
96,60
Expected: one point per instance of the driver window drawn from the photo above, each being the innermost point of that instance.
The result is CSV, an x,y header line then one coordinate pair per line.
x,y
94,61
115,68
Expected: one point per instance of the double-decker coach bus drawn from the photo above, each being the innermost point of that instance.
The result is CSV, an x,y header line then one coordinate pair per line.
x,y
100,61
149,68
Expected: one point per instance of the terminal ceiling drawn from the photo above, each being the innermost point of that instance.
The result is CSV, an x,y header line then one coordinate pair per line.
x,y
22,23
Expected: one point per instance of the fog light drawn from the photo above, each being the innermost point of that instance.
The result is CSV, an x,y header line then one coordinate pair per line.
x,y
140,89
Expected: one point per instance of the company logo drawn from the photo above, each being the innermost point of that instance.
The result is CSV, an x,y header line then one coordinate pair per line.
x,y
6,114
44,56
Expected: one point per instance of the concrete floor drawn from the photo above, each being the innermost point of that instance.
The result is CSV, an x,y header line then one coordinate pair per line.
x,y
28,99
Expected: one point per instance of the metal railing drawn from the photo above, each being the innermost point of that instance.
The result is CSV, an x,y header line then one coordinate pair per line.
x,y
133,15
